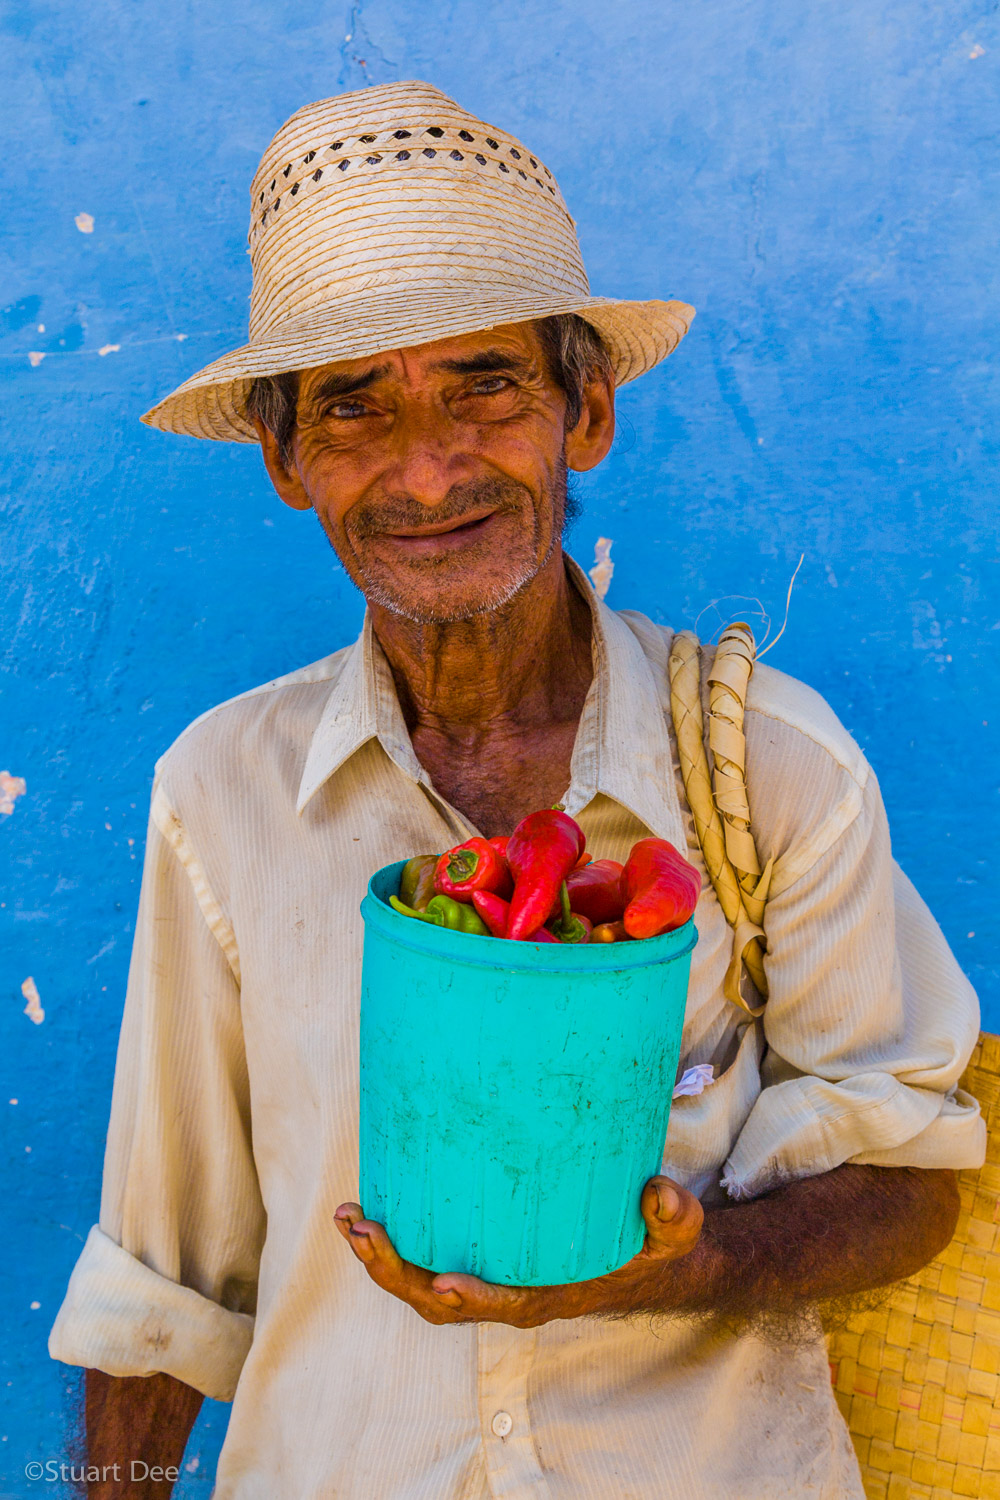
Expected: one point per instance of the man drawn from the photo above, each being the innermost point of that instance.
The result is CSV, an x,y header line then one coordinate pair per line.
x,y
425,365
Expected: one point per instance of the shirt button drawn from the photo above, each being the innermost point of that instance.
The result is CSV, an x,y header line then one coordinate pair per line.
x,y
502,1423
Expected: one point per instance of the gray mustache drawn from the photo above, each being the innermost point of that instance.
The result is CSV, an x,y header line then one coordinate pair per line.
x,y
374,517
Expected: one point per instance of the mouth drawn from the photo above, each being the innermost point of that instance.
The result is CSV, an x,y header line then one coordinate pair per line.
x,y
442,536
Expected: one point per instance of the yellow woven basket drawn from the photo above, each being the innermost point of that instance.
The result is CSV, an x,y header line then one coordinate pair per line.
x,y
918,1379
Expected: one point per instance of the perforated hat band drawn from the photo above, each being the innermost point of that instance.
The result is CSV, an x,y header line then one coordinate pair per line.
x,y
391,217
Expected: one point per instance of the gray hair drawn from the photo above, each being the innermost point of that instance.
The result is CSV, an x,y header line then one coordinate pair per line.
x,y
573,351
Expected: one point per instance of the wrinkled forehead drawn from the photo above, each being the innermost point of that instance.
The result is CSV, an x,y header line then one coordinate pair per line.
x,y
514,347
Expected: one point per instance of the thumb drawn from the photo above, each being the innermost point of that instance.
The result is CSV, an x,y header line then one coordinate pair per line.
x,y
673,1219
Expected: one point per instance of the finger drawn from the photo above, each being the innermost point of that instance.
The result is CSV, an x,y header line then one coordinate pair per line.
x,y
673,1219
457,1290
346,1215
448,1297
399,1277
379,1255
487,1302
451,1297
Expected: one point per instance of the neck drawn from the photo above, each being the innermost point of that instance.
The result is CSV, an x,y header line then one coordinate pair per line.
x,y
527,664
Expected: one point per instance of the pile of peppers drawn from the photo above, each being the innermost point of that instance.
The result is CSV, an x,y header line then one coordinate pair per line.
x,y
539,886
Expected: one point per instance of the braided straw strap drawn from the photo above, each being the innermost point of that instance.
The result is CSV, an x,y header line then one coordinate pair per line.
x,y
718,801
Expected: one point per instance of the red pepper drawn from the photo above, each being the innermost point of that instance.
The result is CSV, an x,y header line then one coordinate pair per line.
x,y
473,866
595,891
494,911
585,859
543,935
569,926
609,932
576,930
661,889
500,842
541,851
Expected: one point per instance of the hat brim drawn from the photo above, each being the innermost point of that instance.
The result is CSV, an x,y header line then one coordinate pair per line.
x,y
211,404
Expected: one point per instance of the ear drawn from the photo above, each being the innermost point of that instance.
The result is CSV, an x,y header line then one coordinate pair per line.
x,y
286,481
589,441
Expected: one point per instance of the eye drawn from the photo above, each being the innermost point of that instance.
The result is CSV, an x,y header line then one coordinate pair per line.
x,y
346,410
489,385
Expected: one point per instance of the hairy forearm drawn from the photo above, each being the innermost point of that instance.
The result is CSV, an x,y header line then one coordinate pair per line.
x,y
824,1238
137,1429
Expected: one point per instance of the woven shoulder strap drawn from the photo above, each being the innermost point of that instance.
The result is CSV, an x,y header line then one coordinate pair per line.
x,y
718,799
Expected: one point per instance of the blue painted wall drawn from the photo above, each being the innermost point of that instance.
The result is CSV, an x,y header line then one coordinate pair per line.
x,y
819,181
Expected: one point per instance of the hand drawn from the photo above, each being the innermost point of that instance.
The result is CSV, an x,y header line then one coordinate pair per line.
x,y
673,1224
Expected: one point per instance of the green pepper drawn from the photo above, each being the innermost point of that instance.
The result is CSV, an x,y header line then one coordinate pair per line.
x,y
442,911
416,883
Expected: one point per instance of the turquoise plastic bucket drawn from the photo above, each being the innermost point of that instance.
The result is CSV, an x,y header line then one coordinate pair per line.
x,y
514,1096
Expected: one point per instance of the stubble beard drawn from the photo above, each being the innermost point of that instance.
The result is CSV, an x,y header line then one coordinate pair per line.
x,y
489,594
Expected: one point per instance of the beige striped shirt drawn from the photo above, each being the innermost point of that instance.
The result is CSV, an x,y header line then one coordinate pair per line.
x,y
233,1131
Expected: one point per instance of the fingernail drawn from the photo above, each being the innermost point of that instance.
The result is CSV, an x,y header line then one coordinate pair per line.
x,y
448,1292
362,1243
667,1202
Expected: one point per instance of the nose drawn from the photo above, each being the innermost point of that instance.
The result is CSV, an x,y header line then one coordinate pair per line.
x,y
427,461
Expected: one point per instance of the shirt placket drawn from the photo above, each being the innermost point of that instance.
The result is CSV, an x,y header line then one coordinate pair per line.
x,y
505,1360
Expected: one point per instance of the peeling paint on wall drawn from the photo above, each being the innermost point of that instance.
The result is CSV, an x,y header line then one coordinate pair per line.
x,y
11,787
33,1010
603,570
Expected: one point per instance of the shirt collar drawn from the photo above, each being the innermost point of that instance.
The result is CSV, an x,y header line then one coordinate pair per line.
x,y
362,706
622,747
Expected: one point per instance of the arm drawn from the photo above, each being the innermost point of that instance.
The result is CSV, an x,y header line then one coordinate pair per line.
x,y
160,1303
817,1239
142,1421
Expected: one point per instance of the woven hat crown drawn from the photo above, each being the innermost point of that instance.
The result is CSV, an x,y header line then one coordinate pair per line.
x,y
397,185
392,217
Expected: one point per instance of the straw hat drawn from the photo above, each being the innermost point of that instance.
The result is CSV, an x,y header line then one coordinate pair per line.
x,y
391,217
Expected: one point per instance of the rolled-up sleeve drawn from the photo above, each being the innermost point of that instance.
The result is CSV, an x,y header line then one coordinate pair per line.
x,y
869,1025
167,1280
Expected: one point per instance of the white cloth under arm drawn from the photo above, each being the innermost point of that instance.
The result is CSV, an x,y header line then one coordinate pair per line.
x,y
869,1024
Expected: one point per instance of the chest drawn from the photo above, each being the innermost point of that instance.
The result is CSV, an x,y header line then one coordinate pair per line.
x,y
499,778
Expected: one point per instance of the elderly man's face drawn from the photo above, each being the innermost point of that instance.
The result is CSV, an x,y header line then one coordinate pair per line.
x,y
439,472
